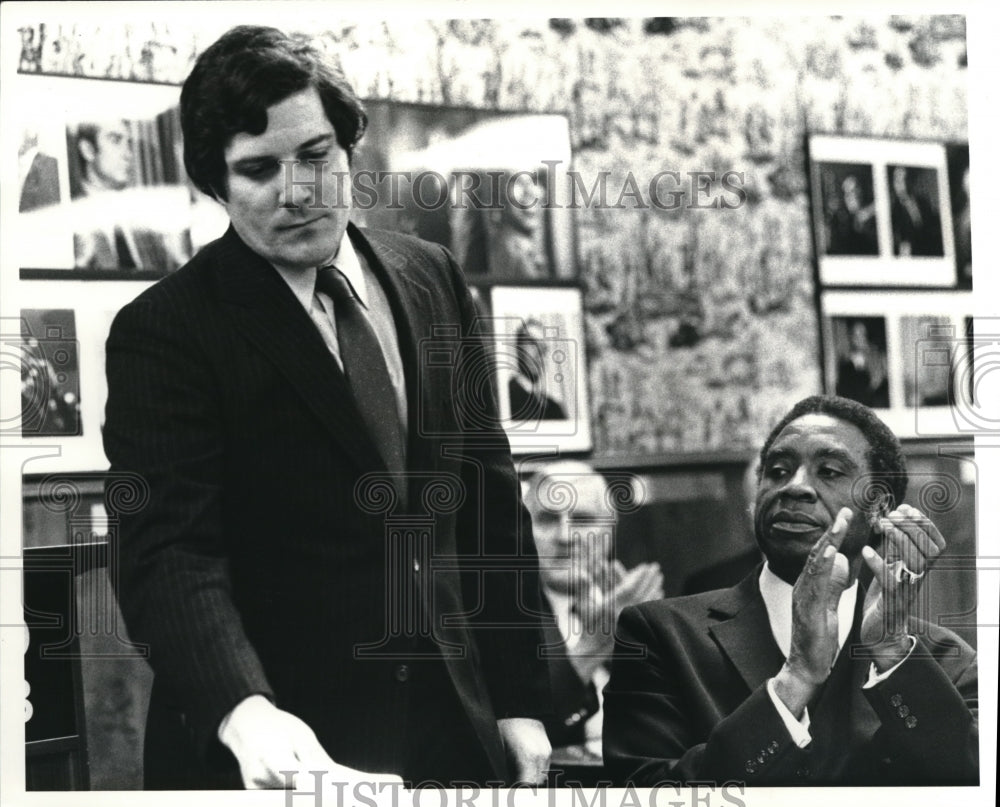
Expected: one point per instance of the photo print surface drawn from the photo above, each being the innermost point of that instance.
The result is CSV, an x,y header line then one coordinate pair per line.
x,y
490,186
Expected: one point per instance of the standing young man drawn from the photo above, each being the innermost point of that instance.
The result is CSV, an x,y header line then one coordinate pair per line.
x,y
262,393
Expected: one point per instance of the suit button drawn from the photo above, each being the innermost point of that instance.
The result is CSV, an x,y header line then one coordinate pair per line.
x,y
895,700
761,757
773,747
751,766
903,710
402,673
910,722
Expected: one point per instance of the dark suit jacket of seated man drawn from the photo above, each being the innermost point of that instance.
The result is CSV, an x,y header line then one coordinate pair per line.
x,y
290,624
797,675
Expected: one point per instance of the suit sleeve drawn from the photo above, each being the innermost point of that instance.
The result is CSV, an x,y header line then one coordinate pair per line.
x,y
163,423
650,736
929,711
516,674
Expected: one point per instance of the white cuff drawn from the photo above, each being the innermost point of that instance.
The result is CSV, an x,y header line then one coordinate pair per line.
x,y
797,729
875,677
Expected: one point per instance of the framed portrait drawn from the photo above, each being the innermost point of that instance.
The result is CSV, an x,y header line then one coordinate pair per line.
x,y
50,373
59,345
882,212
905,354
491,186
102,189
541,378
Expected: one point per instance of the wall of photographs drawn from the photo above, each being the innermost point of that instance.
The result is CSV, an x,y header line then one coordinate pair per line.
x,y
892,236
493,188
104,209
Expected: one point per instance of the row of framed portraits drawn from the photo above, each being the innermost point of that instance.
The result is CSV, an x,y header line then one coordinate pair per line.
x,y
892,236
912,356
890,213
102,191
103,201
536,333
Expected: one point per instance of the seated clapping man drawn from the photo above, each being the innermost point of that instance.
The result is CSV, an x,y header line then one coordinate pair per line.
x,y
573,518
799,674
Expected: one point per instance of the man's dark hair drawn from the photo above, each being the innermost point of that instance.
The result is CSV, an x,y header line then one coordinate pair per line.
x,y
78,168
885,453
248,69
87,131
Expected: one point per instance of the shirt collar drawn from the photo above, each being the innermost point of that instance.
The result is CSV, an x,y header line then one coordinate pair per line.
x,y
346,260
302,282
777,595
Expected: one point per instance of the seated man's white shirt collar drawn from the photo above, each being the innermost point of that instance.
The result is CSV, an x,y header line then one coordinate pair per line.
x,y
561,605
777,595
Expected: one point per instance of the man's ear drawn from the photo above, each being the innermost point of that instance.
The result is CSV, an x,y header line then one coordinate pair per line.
x,y
87,150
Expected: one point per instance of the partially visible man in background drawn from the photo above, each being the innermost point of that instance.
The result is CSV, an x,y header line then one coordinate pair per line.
x,y
259,391
574,519
104,155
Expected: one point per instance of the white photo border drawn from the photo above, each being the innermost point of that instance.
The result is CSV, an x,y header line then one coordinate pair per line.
x,y
955,307
559,310
883,269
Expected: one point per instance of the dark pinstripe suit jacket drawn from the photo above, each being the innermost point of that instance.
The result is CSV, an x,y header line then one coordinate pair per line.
x,y
256,568
695,708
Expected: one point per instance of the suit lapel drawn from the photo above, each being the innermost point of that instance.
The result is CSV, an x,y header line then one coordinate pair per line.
x,y
412,313
270,316
745,632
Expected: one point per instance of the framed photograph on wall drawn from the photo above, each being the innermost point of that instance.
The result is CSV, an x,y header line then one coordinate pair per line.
x,y
541,375
902,353
50,373
491,186
59,344
882,212
102,189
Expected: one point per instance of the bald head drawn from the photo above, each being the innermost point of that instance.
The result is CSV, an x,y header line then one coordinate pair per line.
x,y
567,484
572,520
